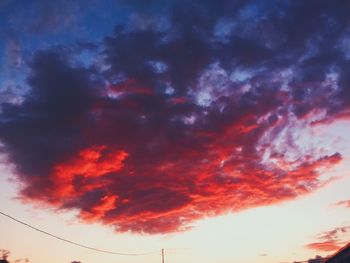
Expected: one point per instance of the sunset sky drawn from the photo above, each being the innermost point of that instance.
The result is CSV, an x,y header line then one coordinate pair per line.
x,y
217,130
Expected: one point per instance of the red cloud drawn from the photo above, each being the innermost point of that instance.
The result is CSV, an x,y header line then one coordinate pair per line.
x,y
324,246
89,166
97,212
154,175
166,196
140,159
330,240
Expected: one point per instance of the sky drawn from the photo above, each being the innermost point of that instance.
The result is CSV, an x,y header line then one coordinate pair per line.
x,y
217,130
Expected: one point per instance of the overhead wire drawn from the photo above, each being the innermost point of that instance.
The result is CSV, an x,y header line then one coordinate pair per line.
x,y
76,243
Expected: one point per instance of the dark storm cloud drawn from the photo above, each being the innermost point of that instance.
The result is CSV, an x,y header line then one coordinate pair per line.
x,y
60,96
189,119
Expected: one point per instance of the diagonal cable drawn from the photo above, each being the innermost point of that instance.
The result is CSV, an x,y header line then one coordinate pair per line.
x,y
75,243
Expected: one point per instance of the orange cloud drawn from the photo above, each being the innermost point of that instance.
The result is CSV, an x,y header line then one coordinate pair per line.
x,y
330,241
89,166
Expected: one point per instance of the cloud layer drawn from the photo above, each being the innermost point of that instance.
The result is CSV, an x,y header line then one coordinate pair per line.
x,y
196,113
331,240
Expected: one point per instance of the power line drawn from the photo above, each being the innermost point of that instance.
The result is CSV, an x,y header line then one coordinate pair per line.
x,y
75,243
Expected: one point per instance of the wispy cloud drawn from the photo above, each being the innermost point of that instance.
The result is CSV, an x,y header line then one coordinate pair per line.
x,y
330,241
345,203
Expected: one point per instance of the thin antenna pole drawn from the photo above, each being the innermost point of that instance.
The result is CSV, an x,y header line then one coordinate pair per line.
x,y
162,255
